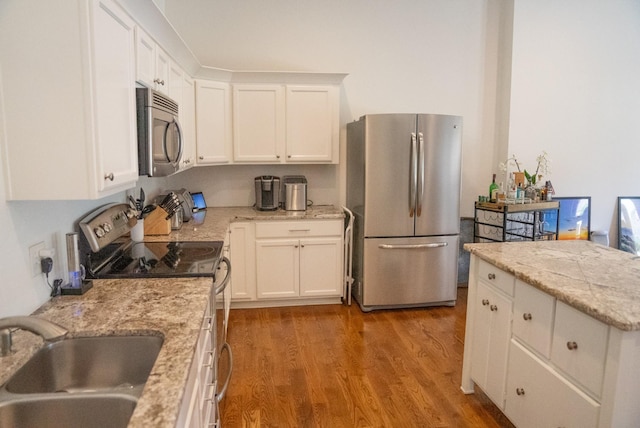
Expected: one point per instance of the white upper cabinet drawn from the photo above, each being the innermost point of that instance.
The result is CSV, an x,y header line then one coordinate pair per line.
x,y
312,124
275,123
258,123
153,65
68,100
213,123
188,122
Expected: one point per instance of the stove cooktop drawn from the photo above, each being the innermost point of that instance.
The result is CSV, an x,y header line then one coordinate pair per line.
x,y
155,260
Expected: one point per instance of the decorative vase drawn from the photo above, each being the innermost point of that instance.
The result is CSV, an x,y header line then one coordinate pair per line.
x,y
530,192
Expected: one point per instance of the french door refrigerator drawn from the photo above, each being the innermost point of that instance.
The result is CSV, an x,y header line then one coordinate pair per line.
x,y
403,187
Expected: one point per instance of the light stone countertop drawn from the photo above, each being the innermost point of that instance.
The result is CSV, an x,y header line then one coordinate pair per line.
x,y
172,308
600,281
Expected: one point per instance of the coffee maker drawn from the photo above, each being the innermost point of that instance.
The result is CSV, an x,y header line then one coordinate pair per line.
x,y
267,192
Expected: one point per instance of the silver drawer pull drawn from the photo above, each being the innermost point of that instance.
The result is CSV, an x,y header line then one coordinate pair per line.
x,y
109,176
572,346
493,308
491,276
485,302
526,316
520,391
299,230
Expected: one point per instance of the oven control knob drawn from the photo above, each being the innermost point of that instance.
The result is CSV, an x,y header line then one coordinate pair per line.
x,y
107,227
99,231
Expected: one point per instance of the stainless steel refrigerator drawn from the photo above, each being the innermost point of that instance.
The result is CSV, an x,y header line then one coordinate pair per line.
x,y
403,187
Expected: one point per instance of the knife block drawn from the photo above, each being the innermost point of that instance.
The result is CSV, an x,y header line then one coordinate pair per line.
x,y
156,223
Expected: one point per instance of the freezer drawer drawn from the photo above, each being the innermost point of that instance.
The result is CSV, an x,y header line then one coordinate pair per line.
x,y
406,272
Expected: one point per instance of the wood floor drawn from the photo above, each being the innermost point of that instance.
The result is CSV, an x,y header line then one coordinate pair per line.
x,y
335,366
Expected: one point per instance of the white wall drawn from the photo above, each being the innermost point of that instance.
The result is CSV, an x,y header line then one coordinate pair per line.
x,y
576,94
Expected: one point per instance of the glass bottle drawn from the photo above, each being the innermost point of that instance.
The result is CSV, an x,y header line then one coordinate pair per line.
x,y
493,190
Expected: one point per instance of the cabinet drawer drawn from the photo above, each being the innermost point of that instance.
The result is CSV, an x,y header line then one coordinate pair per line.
x,y
533,317
579,347
537,396
496,277
299,229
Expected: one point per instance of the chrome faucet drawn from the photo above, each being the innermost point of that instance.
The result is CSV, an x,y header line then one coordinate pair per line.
x,y
49,331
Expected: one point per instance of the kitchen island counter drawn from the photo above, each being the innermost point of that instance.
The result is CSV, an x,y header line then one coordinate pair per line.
x,y
600,281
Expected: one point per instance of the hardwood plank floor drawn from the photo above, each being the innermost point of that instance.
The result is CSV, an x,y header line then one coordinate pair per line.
x,y
335,366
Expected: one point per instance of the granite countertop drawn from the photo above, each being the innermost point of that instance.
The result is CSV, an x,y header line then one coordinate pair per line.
x,y
138,307
172,308
600,281
217,220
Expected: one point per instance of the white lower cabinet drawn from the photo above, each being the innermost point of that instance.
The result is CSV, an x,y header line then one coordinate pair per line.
x,y
298,259
199,395
287,260
538,396
563,368
492,315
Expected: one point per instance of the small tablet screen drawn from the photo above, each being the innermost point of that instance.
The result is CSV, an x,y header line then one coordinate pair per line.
x,y
198,201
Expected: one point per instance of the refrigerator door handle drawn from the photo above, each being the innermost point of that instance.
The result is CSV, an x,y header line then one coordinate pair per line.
x,y
411,246
420,173
414,175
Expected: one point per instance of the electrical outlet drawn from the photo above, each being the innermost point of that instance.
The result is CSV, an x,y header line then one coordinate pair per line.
x,y
34,258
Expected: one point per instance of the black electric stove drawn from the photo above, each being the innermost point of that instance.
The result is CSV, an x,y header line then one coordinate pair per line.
x,y
155,260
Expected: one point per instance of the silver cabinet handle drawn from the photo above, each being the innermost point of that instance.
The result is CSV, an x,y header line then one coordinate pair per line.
x,y
493,308
520,391
411,246
201,157
571,346
277,156
158,81
485,302
526,316
109,176
491,276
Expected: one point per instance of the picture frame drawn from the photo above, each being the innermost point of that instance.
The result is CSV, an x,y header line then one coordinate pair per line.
x,y
629,224
573,218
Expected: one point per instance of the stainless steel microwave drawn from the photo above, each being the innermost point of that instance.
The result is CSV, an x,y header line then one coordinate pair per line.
x,y
160,140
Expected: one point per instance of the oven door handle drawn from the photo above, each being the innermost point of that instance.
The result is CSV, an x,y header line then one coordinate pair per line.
x,y
223,390
219,289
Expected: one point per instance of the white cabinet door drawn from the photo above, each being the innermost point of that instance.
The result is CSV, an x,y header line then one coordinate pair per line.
x,y
320,267
114,73
538,397
492,332
312,124
213,123
188,122
163,67
243,273
258,123
85,146
277,268
145,58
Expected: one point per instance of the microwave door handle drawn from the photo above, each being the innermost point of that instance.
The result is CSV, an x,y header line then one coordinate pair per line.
x,y
180,142
164,141
414,175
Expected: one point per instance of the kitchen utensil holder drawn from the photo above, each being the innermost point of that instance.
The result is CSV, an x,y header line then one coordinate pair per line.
x,y
156,223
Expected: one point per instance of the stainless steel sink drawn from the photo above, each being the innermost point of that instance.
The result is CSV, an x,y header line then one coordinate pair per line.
x,y
68,411
88,364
